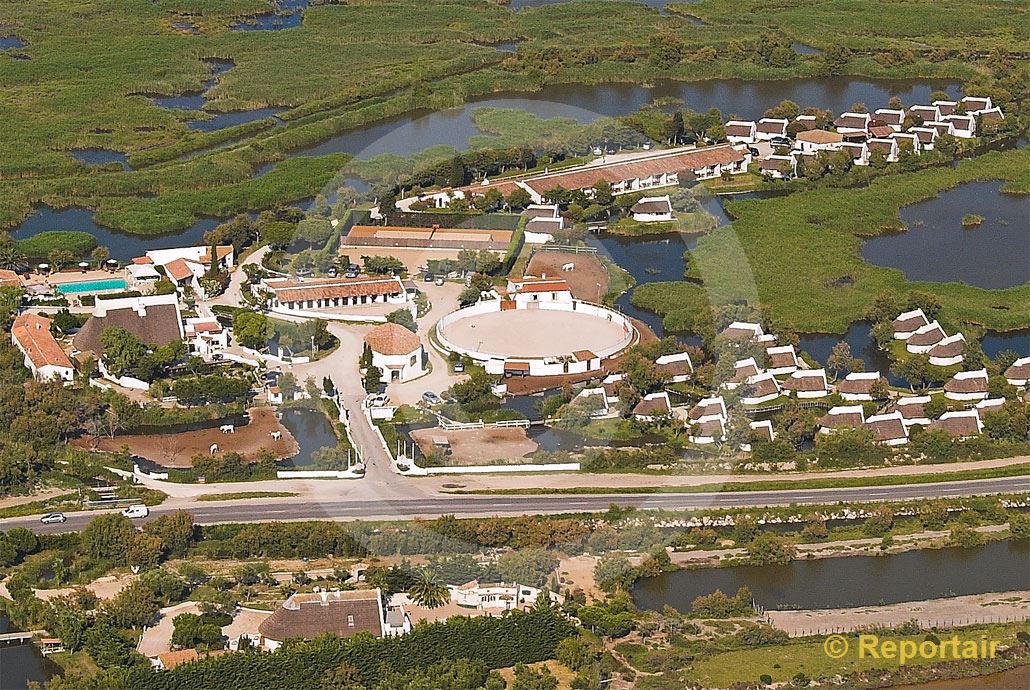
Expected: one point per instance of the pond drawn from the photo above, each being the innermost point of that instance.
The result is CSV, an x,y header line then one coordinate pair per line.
x,y
936,247
22,663
414,132
122,246
802,49
7,42
99,156
313,431
994,344
197,100
287,14
852,581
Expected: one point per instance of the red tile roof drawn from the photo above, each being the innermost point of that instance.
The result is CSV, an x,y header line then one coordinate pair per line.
x,y
392,339
33,334
331,288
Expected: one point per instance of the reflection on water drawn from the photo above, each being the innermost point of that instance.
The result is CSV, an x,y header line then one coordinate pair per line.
x,y
936,246
869,580
99,156
994,344
287,14
20,664
313,431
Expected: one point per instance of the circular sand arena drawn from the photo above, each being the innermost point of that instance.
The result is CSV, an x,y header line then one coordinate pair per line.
x,y
537,333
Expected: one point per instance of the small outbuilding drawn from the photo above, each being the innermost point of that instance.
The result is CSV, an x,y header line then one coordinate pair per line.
x,y
396,352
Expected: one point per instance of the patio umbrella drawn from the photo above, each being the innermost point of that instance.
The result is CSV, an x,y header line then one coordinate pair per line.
x,y
83,265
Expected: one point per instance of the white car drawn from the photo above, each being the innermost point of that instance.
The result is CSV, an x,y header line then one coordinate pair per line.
x,y
136,511
53,518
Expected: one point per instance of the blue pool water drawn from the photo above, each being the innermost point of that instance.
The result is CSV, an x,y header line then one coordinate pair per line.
x,y
92,286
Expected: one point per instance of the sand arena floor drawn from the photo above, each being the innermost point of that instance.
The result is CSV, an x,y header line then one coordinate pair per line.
x,y
533,333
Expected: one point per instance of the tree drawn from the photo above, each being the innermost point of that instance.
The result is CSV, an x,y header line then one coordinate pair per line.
x,y
108,537
59,258
839,360
429,591
770,548
176,531
613,572
403,317
528,679
519,198
382,265
313,231
528,566
133,607
123,351
100,254
343,677
251,329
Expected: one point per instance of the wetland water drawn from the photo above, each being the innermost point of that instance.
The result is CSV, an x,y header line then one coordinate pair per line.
x,y
937,247
851,581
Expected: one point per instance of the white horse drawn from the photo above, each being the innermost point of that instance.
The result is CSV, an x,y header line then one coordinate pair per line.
x,y
213,449
228,429
276,435
568,267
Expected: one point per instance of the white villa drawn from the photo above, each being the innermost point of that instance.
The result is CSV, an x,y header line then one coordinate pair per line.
x,y
653,209
205,335
967,386
530,289
44,356
396,352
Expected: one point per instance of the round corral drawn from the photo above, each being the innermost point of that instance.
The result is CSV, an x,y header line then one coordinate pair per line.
x,y
551,331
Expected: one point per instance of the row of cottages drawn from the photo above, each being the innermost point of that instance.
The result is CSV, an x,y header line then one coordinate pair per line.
x,y
865,134
662,169
708,419
341,613
893,424
925,337
183,266
671,368
44,356
316,294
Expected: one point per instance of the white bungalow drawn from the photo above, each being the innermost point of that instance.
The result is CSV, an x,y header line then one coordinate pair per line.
x,y
205,335
965,125
842,417
853,123
759,389
908,323
809,383
895,119
815,140
927,113
743,369
948,351
497,595
989,405
976,104
859,152
771,128
1018,373
782,360
707,407
740,131
946,107
653,209
924,338
763,430
967,386
888,429
911,409
941,127
778,167
707,430
927,137
960,424
541,229
747,331
674,368
887,147
652,407
907,141
858,385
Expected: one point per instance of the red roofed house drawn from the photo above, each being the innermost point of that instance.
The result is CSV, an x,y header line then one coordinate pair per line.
x,y
529,289
1018,373
396,352
30,333
960,424
888,429
9,278
810,383
205,335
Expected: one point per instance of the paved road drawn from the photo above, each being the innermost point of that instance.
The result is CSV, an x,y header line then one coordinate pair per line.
x,y
397,506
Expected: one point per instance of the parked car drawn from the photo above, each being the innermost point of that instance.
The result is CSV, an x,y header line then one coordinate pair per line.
x,y
431,398
459,367
350,274
377,400
136,511
753,151
428,278
331,272
439,281
780,141
52,518
354,267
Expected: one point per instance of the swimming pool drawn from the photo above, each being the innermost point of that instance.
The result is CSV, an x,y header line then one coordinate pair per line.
x,y
92,286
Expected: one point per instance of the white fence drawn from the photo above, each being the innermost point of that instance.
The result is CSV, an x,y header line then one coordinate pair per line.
x,y
319,474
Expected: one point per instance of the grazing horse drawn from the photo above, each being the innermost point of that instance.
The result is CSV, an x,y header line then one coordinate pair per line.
x,y
213,449
228,429
276,435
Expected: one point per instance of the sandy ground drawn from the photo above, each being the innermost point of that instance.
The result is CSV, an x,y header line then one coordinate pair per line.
x,y
478,446
588,280
577,572
106,587
541,333
11,501
158,638
995,607
177,450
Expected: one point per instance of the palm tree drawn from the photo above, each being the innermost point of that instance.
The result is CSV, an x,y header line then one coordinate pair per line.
x,y
10,257
428,591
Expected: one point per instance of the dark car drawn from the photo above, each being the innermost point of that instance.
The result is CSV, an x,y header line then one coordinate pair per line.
x,y
780,141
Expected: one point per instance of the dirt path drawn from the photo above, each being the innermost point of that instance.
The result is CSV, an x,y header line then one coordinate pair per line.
x,y
964,610
177,450
11,501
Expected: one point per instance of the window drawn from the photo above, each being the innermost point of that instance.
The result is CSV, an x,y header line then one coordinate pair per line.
x,y
350,621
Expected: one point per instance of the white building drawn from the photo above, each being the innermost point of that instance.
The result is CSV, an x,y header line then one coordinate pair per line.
x,y
842,417
857,386
320,295
205,336
887,147
341,613
652,407
707,430
816,140
674,368
760,388
653,209
911,409
965,125
908,323
1018,373
44,356
888,429
853,123
949,351
530,289
782,360
497,596
741,131
967,386
924,338
396,352
769,128
895,119
977,104
807,383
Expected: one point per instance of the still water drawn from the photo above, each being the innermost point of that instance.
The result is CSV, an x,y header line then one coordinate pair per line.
x,y
852,581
